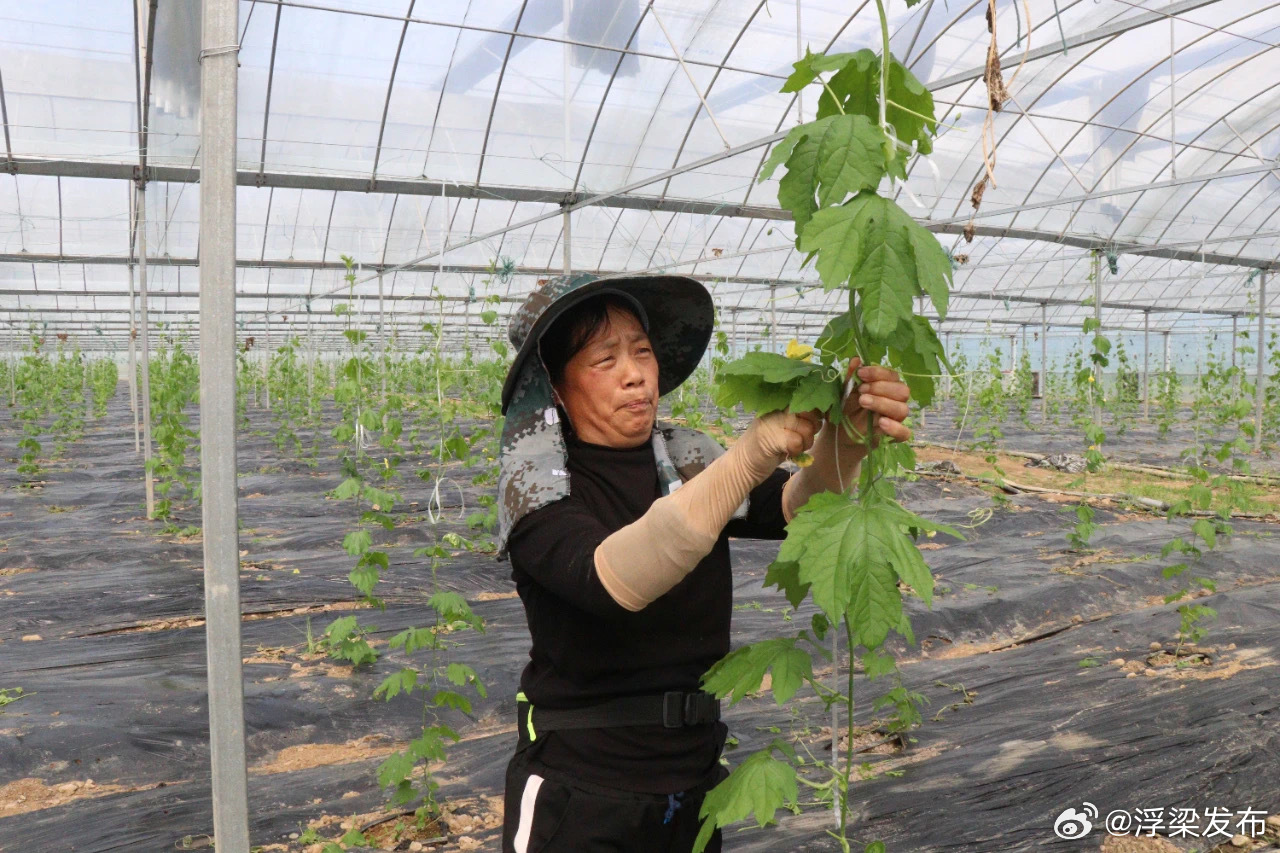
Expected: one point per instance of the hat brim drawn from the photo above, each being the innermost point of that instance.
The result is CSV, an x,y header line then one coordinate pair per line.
x,y
681,319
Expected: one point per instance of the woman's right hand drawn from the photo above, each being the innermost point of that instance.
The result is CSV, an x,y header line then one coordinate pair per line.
x,y
777,436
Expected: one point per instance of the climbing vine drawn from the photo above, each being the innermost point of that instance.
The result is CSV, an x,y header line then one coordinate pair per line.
x,y
846,553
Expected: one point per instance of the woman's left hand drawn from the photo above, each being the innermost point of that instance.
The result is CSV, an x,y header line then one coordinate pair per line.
x,y
879,392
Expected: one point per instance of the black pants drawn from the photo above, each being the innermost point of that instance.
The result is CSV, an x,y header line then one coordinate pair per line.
x,y
547,812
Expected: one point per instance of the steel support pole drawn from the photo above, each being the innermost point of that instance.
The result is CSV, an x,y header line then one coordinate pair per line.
x,y
133,366
382,339
1235,331
266,363
1260,381
568,242
141,195
217,424
946,347
1044,363
1097,315
1146,365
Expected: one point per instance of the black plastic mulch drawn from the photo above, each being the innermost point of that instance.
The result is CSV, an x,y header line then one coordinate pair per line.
x,y
118,697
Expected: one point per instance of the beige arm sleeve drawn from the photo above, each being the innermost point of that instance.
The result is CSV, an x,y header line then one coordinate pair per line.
x,y
830,471
639,563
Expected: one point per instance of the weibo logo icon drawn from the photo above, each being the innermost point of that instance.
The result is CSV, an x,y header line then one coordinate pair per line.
x,y
1072,823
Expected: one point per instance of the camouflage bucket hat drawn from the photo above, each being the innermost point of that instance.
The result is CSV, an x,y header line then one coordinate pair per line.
x,y
678,312
679,315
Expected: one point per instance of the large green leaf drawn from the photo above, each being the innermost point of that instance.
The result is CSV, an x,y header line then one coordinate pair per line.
x,y
742,671
933,266
855,88
782,150
768,382
759,786
797,188
920,360
769,366
850,158
813,64
835,234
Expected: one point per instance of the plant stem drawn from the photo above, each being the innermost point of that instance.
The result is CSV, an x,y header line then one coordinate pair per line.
x,y
884,64
848,747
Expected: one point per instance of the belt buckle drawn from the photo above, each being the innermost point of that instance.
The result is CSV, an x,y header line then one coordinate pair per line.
x,y
674,704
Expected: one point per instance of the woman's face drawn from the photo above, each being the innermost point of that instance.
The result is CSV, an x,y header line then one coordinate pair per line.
x,y
610,388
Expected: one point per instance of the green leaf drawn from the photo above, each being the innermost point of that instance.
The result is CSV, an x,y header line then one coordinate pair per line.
x,y
452,699
813,64
815,392
850,158
920,361
395,769
934,273
782,150
769,367
1205,529
797,187
454,608
885,275
396,683
412,639
742,671
357,542
842,550
855,86
786,577
759,786
834,233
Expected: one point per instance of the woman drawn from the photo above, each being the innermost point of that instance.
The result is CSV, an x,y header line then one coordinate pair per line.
x,y
618,534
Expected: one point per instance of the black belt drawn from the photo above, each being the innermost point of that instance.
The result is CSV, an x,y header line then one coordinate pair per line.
x,y
673,709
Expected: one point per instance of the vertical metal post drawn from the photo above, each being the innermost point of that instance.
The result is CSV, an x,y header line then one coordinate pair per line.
x,y
1235,331
1044,362
733,333
1173,109
311,366
946,347
382,336
266,357
217,424
1013,353
1097,315
133,366
800,119
1146,365
1260,381
84,382
141,196
568,244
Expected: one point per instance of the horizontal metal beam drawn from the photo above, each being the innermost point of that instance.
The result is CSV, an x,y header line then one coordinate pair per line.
x,y
404,186
1123,248
1066,201
1061,46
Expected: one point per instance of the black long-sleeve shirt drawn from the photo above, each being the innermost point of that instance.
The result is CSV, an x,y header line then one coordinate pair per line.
x,y
588,648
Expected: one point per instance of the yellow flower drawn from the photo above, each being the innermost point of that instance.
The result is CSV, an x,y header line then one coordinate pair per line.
x,y
1090,378
799,351
804,460
386,464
